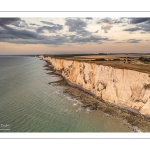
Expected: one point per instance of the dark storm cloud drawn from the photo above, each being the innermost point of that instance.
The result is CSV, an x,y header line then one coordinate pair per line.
x,y
49,40
9,34
50,29
8,21
17,35
143,26
132,29
13,21
138,20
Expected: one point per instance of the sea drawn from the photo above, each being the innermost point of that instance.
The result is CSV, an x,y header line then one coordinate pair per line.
x,y
29,104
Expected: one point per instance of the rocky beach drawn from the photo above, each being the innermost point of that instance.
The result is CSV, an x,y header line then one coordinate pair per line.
x,y
91,101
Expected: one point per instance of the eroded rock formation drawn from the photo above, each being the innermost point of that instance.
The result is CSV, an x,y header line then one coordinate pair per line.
x,y
119,86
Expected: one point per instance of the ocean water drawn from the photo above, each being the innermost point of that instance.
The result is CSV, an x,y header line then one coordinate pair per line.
x,y
29,104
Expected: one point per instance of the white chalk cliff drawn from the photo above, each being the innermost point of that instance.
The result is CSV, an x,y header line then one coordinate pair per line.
x,y
119,86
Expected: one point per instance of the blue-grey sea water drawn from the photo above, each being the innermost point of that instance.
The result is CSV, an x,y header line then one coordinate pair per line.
x,y
29,104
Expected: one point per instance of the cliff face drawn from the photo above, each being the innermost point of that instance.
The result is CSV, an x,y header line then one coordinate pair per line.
x,y
120,86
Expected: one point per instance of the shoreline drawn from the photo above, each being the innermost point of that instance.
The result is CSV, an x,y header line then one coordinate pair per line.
x,y
132,116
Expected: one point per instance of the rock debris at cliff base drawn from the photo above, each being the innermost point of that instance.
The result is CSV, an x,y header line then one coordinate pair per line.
x,y
72,72
93,103
118,86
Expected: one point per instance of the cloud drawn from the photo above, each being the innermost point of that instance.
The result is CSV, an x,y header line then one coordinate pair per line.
x,y
33,24
12,35
119,42
21,24
133,41
95,39
138,20
17,22
48,23
117,21
83,32
106,27
143,26
51,29
8,34
88,18
105,20
8,21
107,24
112,21
78,26
132,29
132,32
75,24
48,40
129,41
143,32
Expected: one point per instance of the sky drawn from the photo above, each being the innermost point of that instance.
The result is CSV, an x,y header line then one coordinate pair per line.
x,y
74,35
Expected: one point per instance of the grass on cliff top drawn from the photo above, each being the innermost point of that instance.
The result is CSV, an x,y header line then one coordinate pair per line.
x,y
117,64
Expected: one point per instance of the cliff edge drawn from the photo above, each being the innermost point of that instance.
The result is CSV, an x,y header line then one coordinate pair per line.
x,y
123,87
